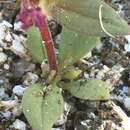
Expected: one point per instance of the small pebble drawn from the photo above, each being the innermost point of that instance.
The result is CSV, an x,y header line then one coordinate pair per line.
x,y
6,66
3,57
8,37
128,38
126,124
127,47
1,49
10,103
19,90
86,75
125,89
6,114
17,110
92,74
55,129
30,78
21,66
86,123
17,26
2,33
2,93
7,24
1,81
100,74
127,102
19,125
61,120
128,91
18,48
58,39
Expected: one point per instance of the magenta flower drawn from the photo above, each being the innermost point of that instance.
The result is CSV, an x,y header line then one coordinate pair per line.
x,y
29,13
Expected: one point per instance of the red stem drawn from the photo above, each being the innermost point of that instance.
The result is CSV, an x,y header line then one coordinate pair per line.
x,y
31,14
48,42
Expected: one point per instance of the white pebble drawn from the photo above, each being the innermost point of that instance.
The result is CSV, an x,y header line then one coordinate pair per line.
x,y
17,47
127,102
126,124
8,37
92,74
127,46
85,123
10,103
1,49
106,69
125,89
129,91
128,38
58,39
17,26
89,54
6,114
19,125
30,78
55,129
5,23
100,75
6,66
2,32
86,75
61,120
2,93
3,57
18,90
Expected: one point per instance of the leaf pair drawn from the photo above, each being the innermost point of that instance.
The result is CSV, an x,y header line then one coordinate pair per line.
x,y
42,108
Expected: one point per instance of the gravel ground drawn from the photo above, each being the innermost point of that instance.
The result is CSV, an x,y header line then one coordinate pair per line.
x,y
110,61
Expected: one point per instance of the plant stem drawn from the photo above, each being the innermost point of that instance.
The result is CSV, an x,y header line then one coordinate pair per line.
x,y
48,42
30,15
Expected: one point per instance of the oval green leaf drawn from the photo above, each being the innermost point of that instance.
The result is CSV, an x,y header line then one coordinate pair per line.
x,y
41,110
35,45
82,17
73,47
92,89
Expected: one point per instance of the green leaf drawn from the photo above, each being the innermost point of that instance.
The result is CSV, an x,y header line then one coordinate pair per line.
x,y
92,89
71,73
82,17
42,110
73,47
35,45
